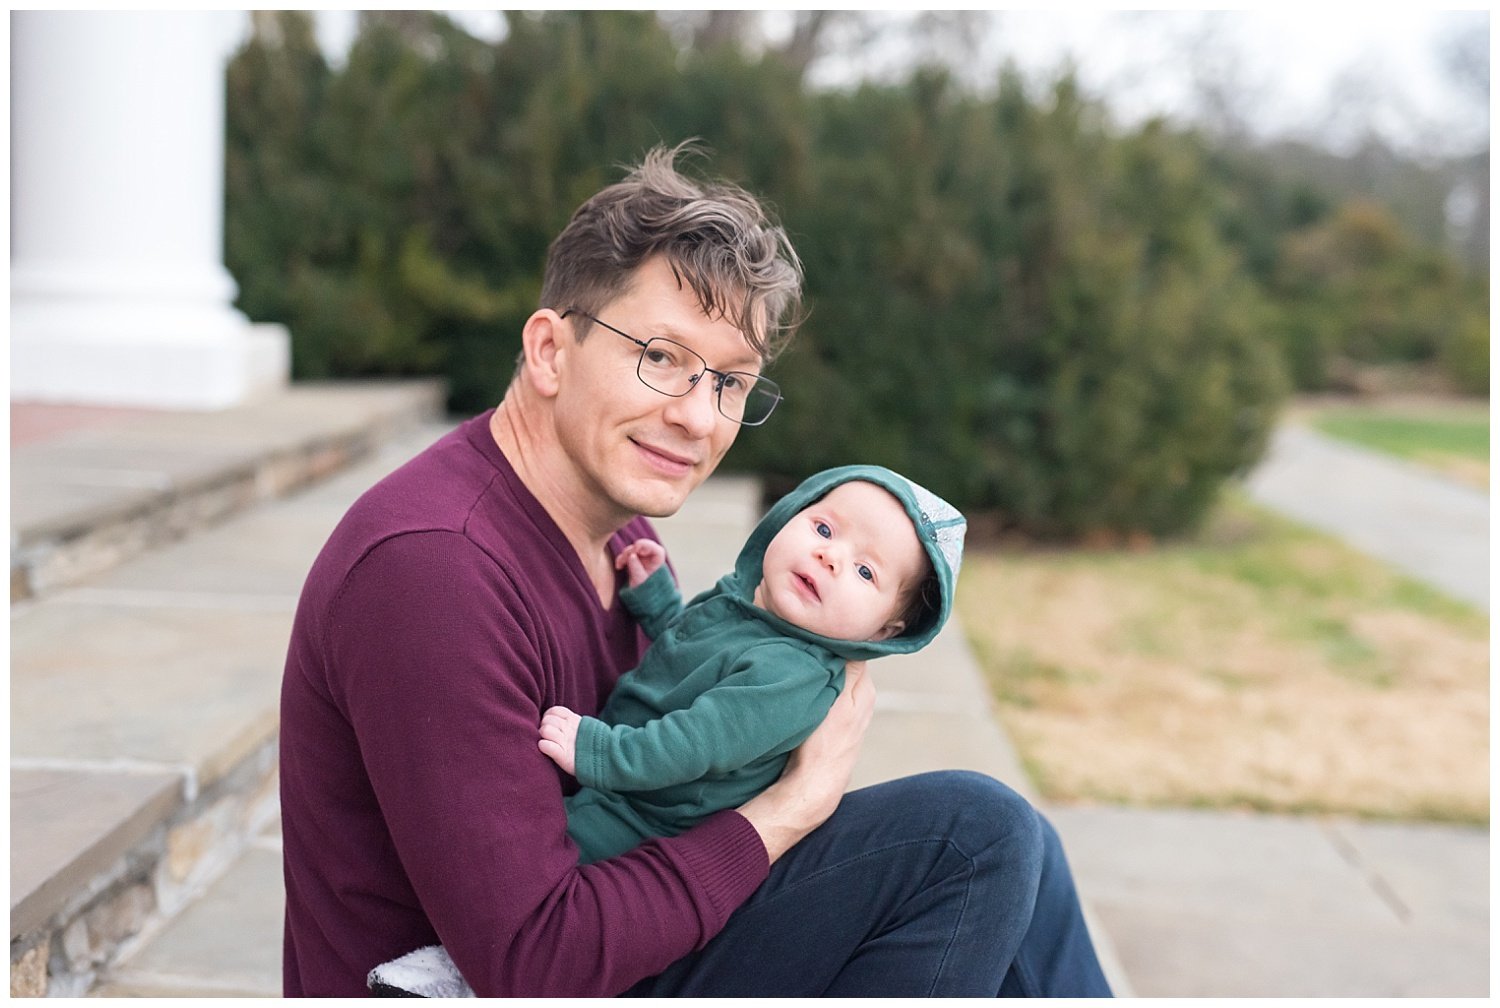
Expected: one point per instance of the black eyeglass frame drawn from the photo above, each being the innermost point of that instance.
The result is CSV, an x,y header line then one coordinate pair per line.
x,y
719,376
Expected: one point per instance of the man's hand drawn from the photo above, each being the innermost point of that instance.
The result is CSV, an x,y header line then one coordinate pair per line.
x,y
559,736
641,559
817,772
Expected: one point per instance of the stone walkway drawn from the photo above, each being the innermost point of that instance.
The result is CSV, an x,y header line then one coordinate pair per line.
x,y
1433,528
1214,904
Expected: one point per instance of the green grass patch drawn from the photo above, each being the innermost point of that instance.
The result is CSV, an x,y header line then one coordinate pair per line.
x,y
1411,437
1448,436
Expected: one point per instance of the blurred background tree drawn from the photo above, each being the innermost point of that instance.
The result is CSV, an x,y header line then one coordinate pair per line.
x,y
1079,328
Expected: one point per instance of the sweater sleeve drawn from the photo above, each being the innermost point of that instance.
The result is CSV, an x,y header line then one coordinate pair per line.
x,y
655,602
441,680
770,699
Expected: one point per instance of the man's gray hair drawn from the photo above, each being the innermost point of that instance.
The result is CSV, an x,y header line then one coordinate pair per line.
x,y
717,238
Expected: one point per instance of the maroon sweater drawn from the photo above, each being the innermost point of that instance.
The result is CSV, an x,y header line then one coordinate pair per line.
x,y
445,613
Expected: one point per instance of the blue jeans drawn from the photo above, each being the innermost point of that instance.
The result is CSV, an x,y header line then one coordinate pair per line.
x,y
942,885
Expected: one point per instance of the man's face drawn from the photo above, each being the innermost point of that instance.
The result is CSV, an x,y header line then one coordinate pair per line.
x,y
640,450
839,566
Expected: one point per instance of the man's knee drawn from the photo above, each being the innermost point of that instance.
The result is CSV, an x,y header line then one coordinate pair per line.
x,y
982,813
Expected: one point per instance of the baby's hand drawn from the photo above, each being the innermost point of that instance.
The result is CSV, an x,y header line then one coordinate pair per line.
x,y
559,736
641,559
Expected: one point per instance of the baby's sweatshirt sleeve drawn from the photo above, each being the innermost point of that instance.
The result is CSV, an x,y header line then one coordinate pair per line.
x,y
769,701
655,602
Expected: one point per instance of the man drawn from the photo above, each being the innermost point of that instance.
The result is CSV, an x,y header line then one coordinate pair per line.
x,y
476,587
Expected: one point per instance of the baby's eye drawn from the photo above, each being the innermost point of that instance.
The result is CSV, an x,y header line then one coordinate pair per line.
x,y
823,530
866,572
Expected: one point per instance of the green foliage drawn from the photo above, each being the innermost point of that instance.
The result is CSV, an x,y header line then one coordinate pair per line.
x,y
1360,280
1057,332
396,213
1355,288
1078,330
1465,352
341,216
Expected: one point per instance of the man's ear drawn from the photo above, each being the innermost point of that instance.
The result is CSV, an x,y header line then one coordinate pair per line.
x,y
545,341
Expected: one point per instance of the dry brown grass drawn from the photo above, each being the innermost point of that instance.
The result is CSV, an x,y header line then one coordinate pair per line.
x,y
1261,666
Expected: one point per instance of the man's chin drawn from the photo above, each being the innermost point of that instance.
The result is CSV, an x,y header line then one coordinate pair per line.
x,y
660,499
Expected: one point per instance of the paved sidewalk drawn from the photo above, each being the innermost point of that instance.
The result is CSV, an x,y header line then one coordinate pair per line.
x,y
1432,528
1211,904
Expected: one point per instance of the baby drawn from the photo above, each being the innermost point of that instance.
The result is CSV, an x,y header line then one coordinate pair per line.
x,y
856,563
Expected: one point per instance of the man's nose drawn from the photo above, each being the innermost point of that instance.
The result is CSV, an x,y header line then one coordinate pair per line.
x,y
696,413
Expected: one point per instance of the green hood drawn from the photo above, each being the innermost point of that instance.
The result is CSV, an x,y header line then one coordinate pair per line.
x,y
939,525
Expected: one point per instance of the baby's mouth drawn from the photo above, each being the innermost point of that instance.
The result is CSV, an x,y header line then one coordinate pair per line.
x,y
810,587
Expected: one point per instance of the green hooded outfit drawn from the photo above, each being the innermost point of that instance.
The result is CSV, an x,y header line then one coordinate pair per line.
x,y
727,690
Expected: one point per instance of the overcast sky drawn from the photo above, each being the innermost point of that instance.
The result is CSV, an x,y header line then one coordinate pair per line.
x,y
1299,66
1308,70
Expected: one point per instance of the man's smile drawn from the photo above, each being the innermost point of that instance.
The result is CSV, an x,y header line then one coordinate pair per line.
x,y
669,462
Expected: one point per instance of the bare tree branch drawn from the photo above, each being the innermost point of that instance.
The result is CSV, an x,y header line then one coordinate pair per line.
x,y
803,47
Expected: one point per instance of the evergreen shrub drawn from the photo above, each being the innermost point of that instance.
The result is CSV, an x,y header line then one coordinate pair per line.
x,y
1080,329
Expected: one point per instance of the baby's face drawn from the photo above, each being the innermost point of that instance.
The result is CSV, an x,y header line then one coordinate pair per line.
x,y
839,566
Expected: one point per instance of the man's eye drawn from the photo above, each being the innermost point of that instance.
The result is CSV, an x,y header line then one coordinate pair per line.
x,y
823,530
866,573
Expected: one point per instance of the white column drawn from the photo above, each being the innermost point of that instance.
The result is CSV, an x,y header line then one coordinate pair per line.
x,y
118,290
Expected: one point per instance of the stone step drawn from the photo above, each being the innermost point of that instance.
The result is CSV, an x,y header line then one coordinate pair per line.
x,y
84,502
143,717
227,943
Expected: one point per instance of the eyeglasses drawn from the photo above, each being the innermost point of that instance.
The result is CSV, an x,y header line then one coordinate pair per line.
x,y
674,370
